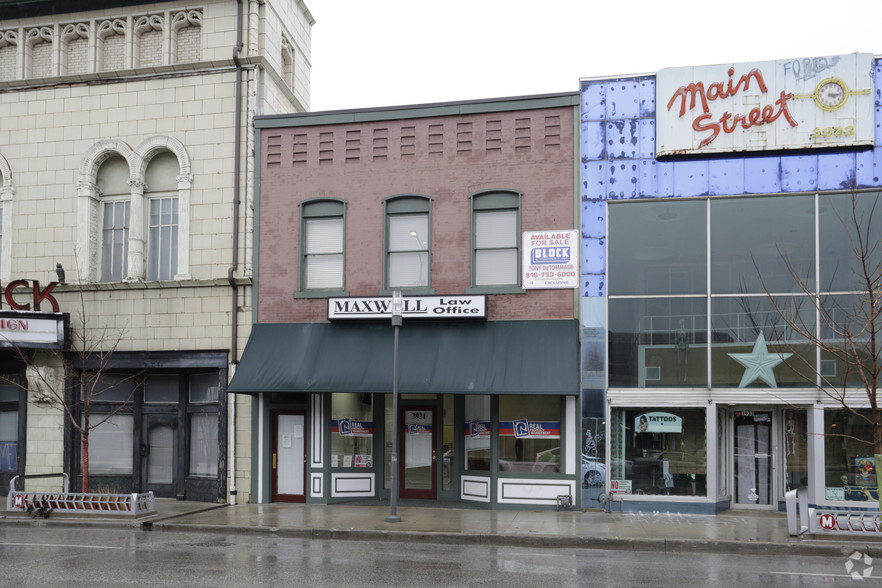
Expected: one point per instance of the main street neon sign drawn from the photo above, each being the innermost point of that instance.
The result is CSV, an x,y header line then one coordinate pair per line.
x,y
770,105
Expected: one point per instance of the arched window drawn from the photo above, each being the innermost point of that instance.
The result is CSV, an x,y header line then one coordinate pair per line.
x,y
134,211
408,243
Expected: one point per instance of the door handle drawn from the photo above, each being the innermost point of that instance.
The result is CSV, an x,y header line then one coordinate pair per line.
x,y
434,455
145,450
275,461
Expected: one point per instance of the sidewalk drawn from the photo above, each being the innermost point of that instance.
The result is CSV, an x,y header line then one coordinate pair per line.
x,y
731,532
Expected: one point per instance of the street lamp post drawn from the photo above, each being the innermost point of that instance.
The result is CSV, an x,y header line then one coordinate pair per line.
x,y
397,311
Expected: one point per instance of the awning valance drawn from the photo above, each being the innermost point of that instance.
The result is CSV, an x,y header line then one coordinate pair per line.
x,y
493,357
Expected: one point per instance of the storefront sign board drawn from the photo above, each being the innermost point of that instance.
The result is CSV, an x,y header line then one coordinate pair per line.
x,y
658,422
415,307
550,260
805,103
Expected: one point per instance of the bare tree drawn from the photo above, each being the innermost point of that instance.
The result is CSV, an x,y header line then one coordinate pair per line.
x,y
850,329
85,368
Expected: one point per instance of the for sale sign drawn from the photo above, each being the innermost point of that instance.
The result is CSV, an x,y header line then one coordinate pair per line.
x,y
550,260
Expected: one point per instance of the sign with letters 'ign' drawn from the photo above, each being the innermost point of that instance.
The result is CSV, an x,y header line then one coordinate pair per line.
x,y
550,260
810,102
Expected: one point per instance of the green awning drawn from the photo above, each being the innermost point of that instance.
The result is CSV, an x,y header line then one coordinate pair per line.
x,y
486,357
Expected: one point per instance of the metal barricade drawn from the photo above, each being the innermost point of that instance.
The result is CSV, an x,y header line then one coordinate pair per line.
x,y
845,522
42,503
796,501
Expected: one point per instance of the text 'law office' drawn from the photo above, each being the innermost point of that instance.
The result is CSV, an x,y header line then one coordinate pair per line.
x,y
720,209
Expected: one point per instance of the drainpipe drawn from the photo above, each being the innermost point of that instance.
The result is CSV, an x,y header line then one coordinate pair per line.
x,y
231,274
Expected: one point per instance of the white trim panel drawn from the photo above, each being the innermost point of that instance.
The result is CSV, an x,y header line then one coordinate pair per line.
x,y
316,485
474,488
318,419
526,491
352,485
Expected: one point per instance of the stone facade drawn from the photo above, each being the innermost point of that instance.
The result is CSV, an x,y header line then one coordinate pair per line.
x,y
135,87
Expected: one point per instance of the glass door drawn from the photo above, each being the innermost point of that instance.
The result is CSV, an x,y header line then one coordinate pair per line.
x,y
158,452
753,458
419,447
289,456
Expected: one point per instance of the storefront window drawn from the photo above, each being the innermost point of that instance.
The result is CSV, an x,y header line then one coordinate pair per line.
x,y
477,432
664,450
844,221
754,240
657,342
846,336
110,445
658,248
795,449
850,472
529,434
9,440
352,430
203,444
9,393
754,346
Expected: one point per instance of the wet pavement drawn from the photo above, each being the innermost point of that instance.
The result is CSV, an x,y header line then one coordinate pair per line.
x,y
730,532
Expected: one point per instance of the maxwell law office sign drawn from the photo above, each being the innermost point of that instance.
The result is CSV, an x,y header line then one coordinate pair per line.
x,y
425,307
800,103
551,260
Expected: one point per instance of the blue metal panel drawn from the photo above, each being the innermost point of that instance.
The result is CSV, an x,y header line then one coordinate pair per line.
x,y
866,172
621,179
725,176
593,100
593,141
646,143
623,99
762,175
691,178
594,180
622,138
799,173
594,285
594,219
647,97
836,171
593,256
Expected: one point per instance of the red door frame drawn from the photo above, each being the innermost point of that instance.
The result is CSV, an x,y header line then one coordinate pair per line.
x,y
276,497
431,493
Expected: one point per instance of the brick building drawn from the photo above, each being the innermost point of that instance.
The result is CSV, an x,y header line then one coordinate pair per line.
x,y
430,201
125,153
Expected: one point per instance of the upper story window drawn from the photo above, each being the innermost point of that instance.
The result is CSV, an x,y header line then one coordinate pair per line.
x,y
408,239
6,193
134,210
116,211
322,230
495,230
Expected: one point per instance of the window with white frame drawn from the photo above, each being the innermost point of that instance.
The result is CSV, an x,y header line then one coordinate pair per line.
x,y
495,225
113,186
322,245
408,238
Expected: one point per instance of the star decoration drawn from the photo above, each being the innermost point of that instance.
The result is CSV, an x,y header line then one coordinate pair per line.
x,y
758,363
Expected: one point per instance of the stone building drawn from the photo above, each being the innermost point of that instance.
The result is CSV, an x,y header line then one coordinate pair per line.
x,y
126,143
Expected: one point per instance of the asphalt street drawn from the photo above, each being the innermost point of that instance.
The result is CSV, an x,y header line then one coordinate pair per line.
x,y
76,556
